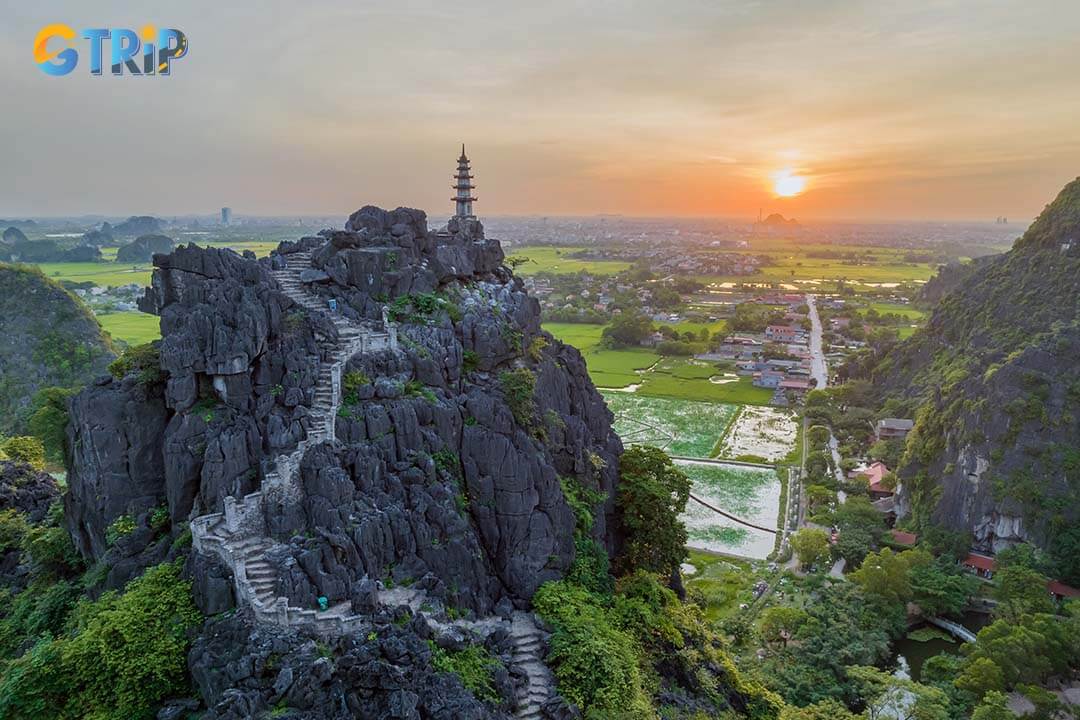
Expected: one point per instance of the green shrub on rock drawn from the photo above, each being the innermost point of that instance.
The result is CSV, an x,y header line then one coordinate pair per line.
x,y
120,657
27,449
474,665
143,359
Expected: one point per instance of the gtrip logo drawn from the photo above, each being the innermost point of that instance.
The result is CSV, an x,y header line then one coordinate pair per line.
x,y
147,52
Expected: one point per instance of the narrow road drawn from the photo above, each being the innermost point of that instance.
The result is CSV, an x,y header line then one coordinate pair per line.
x,y
819,370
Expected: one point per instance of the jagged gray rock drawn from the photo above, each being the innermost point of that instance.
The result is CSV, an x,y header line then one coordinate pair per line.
x,y
316,463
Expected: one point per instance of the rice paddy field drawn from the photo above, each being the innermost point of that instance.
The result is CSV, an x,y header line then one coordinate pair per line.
x,y
790,262
543,258
760,432
678,427
134,328
747,492
645,372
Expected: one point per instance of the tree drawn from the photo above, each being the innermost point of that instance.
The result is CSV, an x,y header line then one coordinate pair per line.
x,y
892,698
1025,555
817,435
941,589
854,544
817,464
982,675
885,575
652,495
811,546
627,329
27,449
49,421
824,710
863,524
779,624
1065,548
1021,590
994,706
819,496
1023,654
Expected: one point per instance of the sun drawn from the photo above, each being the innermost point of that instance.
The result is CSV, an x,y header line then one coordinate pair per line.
x,y
787,184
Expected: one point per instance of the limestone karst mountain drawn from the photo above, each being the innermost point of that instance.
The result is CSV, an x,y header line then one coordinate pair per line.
x,y
370,458
993,383
405,449
142,249
48,337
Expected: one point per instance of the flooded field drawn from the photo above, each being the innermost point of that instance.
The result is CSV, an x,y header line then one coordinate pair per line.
x,y
750,493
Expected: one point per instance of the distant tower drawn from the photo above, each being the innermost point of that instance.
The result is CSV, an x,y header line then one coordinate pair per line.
x,y
464,199
226,215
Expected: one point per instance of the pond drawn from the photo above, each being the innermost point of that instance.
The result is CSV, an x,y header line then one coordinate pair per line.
x,y
910,655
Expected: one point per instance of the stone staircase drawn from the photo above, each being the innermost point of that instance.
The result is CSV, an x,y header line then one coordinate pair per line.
x,y
528,654
238,534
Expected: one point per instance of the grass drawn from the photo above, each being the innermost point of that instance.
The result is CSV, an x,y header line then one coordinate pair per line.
x,y
104,274
134,328
911,313
688,379
789,257
719,326
671,377
557,260
676,426
724,583
607,368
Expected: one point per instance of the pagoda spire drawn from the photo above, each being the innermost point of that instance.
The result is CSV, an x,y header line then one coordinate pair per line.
x,y
463,199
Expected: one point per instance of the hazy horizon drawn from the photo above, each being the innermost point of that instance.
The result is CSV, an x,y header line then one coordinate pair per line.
x,y
951,111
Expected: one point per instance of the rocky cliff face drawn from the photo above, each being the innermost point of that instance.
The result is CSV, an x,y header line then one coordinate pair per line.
x,y
995,386
48,337
444,473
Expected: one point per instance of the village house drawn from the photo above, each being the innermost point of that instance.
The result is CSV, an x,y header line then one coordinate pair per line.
x,y
888,428
875,476
982,565
768,379
783,333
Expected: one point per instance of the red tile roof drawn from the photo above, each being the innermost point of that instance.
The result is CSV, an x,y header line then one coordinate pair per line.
x,y
904,538
980,562
874,475
1062,590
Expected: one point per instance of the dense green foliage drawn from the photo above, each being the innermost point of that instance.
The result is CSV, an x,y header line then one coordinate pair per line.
x,y
48,421
993,375
473,665
652,495
845,628
51,339
142,360
25,448
518,387
117,657
811,546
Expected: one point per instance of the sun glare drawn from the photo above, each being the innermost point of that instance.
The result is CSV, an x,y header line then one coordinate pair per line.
x,y
787,184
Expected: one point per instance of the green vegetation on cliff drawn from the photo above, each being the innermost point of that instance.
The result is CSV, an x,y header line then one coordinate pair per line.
x,y
48,338
993,386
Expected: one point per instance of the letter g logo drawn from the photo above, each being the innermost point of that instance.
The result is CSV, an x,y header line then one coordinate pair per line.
x,y
65,59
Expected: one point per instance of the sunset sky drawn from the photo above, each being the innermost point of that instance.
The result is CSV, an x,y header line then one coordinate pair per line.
x,y
957,109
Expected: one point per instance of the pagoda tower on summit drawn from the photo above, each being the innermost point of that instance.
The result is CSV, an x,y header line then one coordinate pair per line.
x,y
464,187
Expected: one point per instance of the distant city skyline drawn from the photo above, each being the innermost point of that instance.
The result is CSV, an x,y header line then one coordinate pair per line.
x,y
952,110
